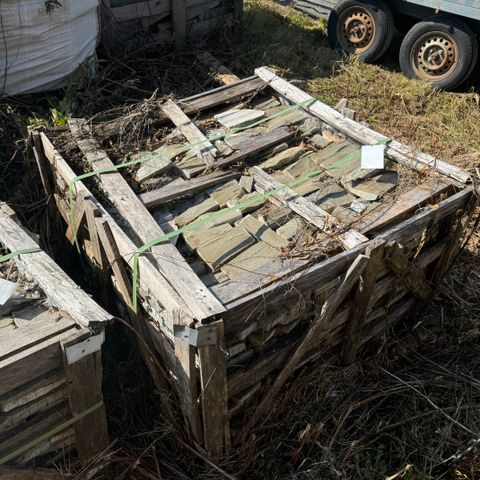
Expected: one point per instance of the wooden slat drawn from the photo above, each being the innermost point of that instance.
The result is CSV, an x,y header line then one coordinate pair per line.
x,y
256,145
360,133
313,336
84,385
91,213
181,188
221,95
362,301
179,21
115,260
201,303
409,273
213,375
217,70
186,373
205,151
306,209
59,288
406,203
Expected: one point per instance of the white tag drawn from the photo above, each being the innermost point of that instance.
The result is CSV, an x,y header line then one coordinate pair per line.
x,y
373,157
6,290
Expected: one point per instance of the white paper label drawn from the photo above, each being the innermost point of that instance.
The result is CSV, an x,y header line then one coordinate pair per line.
x,y
373,157
6,290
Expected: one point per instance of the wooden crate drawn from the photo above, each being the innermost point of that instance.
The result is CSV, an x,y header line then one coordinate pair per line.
x,y
270,280
51,334
172,21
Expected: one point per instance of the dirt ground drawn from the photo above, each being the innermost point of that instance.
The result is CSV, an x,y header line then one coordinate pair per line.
x,y
412,399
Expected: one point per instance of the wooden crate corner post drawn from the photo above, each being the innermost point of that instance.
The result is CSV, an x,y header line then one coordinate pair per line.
x,y
83,371
213,380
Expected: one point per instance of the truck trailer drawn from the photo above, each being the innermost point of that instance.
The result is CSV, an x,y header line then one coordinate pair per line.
x,y
440,37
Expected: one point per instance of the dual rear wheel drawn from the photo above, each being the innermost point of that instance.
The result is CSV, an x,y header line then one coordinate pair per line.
x,y
441,50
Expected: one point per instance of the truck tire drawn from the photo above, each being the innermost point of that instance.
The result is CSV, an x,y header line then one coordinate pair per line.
x,y
440,50
363,27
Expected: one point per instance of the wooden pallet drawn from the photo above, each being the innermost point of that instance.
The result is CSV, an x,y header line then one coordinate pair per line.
x,y
51,334
289,270
174,21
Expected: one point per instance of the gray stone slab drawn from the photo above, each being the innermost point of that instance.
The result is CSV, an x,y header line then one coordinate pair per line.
x,y
338,158
320,141
374,188
246,182
239,117
301,167
219,250
191,214
275,217
228,191
291,117
190,165
261,231
196,237
331,195
292,228
223,216
248,203
250,260
282,159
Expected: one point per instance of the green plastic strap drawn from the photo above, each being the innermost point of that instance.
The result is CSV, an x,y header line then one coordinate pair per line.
x,y
17,253
176,150
51,433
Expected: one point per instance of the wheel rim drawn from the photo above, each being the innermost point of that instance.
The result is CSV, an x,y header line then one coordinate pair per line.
x,y
434,56
356,29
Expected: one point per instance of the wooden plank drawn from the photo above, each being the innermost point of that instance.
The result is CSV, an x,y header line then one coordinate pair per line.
x,y
313,335
39,158
213,376
308,210
218,71
91,213
35,389
115,260
186,373
179,21
395,150
206,151
256,145
409,273
362,301
201,303
222,95
406,203
84,385
59,288
79,218
181,188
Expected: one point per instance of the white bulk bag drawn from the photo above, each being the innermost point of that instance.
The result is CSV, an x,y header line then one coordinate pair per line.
x,y
43,41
